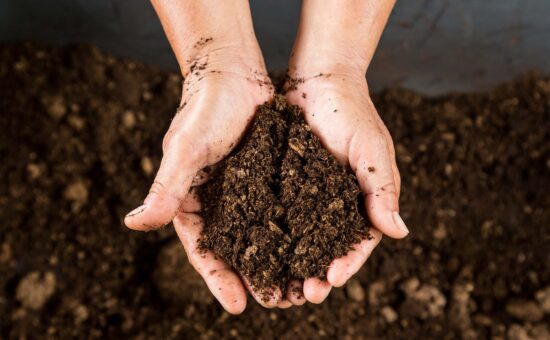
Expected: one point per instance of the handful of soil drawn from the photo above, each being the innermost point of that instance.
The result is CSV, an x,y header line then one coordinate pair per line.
x,y
281,207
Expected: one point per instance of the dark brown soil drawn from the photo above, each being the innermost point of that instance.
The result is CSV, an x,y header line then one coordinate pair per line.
x,y
281,207
81,139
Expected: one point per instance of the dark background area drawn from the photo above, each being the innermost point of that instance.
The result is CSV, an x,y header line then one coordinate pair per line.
x,y
433,46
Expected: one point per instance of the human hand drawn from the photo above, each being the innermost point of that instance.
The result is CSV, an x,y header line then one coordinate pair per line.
x,y
340,112
221,92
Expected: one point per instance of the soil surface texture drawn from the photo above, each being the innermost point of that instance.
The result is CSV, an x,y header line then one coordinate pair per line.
x,y
281,207
80,141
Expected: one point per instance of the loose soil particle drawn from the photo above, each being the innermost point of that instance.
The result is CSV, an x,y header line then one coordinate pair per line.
x,y
479,233
281,207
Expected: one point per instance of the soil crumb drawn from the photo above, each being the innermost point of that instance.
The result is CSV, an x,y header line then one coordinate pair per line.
x,y
281,207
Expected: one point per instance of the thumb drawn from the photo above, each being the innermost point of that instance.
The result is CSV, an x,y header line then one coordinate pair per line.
x,y
171,185
375,172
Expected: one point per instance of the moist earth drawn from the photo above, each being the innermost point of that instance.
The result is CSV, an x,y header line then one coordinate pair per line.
x,y
80,140
281,207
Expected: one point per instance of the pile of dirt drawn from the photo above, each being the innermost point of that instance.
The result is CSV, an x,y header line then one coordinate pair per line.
x,y
80,140
281,207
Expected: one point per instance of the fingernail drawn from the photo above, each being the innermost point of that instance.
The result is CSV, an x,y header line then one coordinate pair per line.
x,y
399,222
137,210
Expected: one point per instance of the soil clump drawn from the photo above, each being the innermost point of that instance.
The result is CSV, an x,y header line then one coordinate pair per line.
x,y
281,207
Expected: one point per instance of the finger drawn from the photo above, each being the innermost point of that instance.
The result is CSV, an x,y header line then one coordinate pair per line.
x,y
174,178
267,297
284,304
225,285
395,170
295,293
315,290
191,203
372,164
391,151
341,269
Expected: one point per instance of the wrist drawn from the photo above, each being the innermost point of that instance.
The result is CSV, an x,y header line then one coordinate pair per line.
x,y
309,60
339,36
222,54
326,65
200,30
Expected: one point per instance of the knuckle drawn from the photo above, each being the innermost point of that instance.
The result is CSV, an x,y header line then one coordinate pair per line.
x,y
182,146
388,188
157,188
397,180
396,172
166,140
193,149
381,140
177,138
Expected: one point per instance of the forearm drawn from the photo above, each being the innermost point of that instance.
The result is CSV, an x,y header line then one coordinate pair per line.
x,y
209,28
339,36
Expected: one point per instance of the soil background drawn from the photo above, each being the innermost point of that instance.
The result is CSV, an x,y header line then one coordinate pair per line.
x,y
79,145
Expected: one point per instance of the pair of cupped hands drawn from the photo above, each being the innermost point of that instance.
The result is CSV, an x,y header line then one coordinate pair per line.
x,y
220,96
